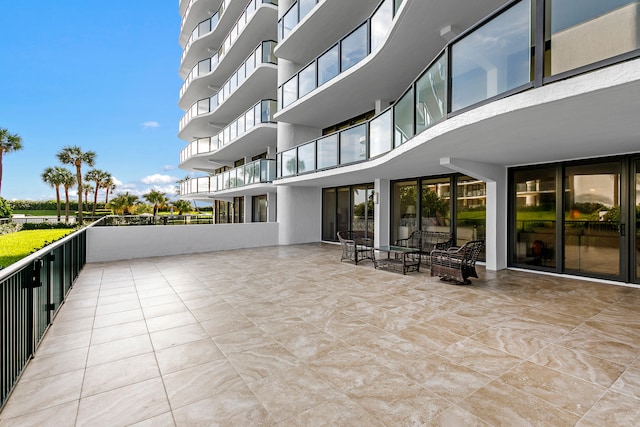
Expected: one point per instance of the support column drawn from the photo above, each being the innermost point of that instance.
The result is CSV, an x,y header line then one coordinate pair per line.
x,y
495,176
382,203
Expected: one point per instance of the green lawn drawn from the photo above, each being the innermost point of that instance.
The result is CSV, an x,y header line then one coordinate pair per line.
x,y
15,246
37,212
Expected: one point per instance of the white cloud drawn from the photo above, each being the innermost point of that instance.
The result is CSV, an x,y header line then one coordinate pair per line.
x,y
150,125
167,168
159,179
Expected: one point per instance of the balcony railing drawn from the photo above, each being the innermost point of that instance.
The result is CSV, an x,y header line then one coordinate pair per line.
x,y
208,65
263,54
31,291
346,53
260,113
219,12
204,27
259,171
496,58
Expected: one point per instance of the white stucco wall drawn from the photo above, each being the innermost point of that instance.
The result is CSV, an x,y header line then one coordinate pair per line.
x,y
300,210
120,243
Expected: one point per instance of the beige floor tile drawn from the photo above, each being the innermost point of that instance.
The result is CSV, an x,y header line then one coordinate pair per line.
x,y
162,420
341,412
163,310
187,355
456,417
170,321
628,383
124,405
480,357
117,318
118,332
119,373
60,343
176,336
262,361
63,415
48,365
118,307
614,409
117,350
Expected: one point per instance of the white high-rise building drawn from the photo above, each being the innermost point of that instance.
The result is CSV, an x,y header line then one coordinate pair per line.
x,y
512,122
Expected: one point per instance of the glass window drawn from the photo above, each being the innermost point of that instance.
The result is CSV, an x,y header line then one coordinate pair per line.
x,y
535,216
289,91
204,27
241,125
289,162
305,7
404,216
353,144
354,47
431,104
251,7
435,204
233,131
329,214
381,24
268,57
289,21
203,106
380,134
259,208
327,151
328,65
396,5
268,110
307,79
307,157
204,67
582,32
403,119
471,215
493,59
250,64
249,119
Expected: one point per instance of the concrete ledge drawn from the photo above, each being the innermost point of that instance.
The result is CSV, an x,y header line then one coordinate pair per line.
x,y
129,242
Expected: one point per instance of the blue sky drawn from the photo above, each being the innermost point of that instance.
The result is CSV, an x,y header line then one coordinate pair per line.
x,y
100,74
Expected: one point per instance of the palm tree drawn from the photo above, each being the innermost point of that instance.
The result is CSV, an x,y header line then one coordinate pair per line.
x,y
68,181
98,177
109,185
182,206
86,189
124,203
157,198
54,177
73,155
8,142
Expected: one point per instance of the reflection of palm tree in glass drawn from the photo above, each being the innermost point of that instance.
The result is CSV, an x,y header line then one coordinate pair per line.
x,y
293,164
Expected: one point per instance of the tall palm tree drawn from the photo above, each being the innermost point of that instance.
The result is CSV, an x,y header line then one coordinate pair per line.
x,y
8,142
54,177
182,206
73,155
157,198
109,185
124,203
86,189
68,181
98,177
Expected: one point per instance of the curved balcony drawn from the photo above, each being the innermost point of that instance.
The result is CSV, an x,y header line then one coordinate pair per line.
x,y
253,79
248,135
212,71
309,26
498,96
196,10
250,179
207,37
345,74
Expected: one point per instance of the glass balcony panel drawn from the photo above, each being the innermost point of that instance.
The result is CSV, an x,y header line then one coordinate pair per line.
x,y
403,119
204,67
250,65
204,145
353,144
227,134
431,101
249,119
381,24
328,65
290,91
327,151
204,27
268,56
396,6
305,7
233,134
380,136
242,128
257,112
270,109
354,47
289,21
493,59
582,32
307,80
220,182
307,157
289,162
251,8
203,106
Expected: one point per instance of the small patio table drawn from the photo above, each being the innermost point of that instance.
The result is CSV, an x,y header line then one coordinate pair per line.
x,y
398,258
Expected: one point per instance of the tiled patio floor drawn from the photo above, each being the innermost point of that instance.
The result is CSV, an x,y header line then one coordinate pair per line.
x,y
289,336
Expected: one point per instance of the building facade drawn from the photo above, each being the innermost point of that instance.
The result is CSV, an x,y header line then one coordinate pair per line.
x,y
508,121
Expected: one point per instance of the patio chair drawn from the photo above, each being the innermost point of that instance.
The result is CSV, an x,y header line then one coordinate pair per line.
x,y
355,249
457,263
413,241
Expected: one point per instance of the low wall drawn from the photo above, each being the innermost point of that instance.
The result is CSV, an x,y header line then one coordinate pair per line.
x,y
129,242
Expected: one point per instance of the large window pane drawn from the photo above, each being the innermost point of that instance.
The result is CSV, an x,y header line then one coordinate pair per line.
x,y
354,47
305,7
637,221
362,220
289,21
431,103
582,32
290,91
328,65
471,216
535,211
329,229
259,208
381,24
203,106
380,134
403,119
435,204
404,218
307,157
327,152
353,144
307,79
493,59
289,162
